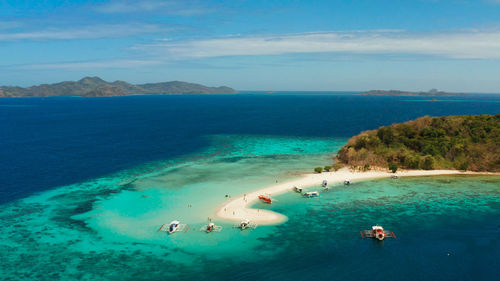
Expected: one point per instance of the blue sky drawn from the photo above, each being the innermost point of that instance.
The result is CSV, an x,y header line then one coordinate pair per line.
x,y
256,45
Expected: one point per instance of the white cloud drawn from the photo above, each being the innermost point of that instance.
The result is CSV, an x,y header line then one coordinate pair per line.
x,y
84,32
172,7
121,63
469,44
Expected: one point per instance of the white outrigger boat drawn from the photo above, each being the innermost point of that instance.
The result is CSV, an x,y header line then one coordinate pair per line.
x,y
173,226
311,194
377,232
325,184
211,227
244,224
297,189
347,182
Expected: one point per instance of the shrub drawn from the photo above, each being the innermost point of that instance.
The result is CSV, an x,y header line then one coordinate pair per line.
x,y
336,166
328,168
366,167
412,162
393,167
428,163
318,170
463,166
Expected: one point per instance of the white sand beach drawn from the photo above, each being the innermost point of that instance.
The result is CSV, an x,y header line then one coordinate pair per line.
x,y
237,208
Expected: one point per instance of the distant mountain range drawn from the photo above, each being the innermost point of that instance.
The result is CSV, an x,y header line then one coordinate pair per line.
x,y
96,87
431,93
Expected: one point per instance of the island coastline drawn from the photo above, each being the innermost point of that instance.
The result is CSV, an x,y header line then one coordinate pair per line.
x,y
239,208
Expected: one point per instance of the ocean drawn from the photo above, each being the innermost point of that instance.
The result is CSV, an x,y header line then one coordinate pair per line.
x,y
86,182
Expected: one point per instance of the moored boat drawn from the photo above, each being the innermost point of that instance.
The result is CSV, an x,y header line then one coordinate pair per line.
x,y
266,198
311,194
211,227
378,233
347,182
297,189
173,226
325,183
245,224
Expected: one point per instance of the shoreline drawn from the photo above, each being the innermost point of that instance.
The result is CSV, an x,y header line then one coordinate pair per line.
x,y
238,208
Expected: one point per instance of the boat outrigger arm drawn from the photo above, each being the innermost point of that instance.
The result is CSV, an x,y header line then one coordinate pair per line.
x,y
245,224
174,226
211,227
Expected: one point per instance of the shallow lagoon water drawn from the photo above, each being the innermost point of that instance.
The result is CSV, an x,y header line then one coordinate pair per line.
x,y
106,228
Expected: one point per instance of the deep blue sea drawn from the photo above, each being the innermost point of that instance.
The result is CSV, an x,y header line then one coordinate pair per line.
x,y
86,181
50,142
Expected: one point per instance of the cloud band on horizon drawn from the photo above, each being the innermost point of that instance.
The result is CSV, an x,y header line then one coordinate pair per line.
x,y
468,44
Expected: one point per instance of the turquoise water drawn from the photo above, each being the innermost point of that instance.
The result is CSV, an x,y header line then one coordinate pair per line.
x,y
121,213
105,228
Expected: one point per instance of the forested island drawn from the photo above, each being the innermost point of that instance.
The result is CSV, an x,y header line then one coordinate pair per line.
x,y
462,142
96,87
432,93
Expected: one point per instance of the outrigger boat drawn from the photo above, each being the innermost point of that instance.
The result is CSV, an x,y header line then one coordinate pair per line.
x,y
297,189
266,198
244,224
311,194
377,232
173,226
211,227
394,177
325,184
347,182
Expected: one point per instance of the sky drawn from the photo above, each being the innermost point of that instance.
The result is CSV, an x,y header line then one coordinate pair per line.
x,y
335,45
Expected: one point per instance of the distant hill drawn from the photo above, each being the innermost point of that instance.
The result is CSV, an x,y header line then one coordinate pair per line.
x,y
468,142
96,87
431,93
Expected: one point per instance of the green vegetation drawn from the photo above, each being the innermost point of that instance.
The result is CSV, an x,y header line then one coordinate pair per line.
x,y
393,167
318,170
328,168
337,166
452,142
96,87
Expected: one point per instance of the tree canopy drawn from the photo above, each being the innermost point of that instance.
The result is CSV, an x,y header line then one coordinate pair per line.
x,y
464,142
